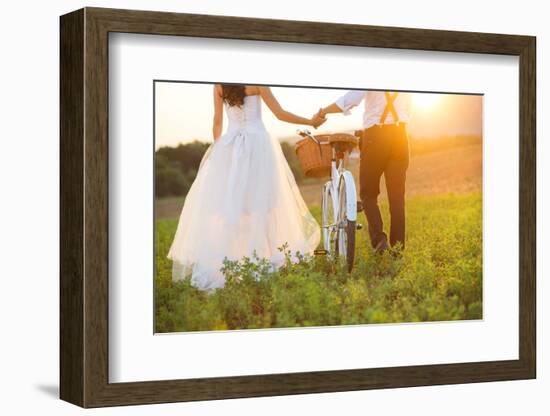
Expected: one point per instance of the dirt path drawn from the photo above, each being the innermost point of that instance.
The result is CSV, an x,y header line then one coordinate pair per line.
x,y
455,170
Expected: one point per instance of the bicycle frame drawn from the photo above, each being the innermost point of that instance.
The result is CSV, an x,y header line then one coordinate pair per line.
x,y
338,173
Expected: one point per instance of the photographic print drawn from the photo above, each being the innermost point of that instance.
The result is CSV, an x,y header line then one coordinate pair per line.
x,y
284,206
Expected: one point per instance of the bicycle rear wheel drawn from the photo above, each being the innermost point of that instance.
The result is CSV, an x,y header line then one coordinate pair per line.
x,y
345,239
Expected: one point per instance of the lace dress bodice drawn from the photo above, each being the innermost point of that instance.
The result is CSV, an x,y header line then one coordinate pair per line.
x,y
245,116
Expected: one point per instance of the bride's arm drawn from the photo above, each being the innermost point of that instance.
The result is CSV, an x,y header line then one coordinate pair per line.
x,y
218,113
283,115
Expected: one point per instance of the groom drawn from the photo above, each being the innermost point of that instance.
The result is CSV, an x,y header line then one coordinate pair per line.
x,y
384,150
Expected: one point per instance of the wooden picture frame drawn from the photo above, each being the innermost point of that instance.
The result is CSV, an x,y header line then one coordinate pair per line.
x,y
84,207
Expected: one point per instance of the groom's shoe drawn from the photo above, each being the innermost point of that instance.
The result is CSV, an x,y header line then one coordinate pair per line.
x,y
397,250
382,246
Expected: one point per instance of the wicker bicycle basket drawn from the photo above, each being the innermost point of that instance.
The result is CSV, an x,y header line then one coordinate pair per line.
x,y
315,157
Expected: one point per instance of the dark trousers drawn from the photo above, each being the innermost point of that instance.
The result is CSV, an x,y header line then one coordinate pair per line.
x,y
384,150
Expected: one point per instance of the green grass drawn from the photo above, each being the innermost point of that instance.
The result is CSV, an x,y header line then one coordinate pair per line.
x,y
438,278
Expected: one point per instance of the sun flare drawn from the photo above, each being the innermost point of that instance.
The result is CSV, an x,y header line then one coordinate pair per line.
x,y
425,102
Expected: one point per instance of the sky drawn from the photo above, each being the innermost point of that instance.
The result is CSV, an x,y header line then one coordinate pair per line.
x,y
184,112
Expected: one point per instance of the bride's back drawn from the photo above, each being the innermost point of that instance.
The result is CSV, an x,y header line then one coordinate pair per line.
x,y
245,115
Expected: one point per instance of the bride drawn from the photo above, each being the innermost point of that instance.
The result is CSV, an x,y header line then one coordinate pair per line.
x,y
244,199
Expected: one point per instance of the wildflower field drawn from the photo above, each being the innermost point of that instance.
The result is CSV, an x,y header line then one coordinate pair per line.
x,y
437,278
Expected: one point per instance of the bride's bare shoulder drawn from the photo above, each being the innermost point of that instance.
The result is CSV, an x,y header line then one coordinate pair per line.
x,y
252,90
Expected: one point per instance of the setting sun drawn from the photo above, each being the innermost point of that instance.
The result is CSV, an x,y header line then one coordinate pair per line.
x,y
424,101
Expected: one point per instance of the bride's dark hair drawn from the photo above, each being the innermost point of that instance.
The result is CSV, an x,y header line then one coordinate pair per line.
x,y
233,94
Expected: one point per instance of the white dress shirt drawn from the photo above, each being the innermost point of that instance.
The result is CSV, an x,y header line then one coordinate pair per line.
x,y
375,103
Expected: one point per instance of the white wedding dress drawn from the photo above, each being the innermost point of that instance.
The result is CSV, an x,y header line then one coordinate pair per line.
x,y
243,200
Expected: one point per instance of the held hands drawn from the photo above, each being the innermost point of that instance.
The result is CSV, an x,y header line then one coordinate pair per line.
x,y
318,119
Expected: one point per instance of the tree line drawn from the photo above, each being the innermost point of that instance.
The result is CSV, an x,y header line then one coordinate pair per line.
x,y
176,167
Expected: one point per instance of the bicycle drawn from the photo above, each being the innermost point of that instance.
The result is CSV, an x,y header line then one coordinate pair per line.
x,y
325,155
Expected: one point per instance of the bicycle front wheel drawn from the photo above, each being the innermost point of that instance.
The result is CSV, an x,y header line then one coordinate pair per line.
x,y
328,220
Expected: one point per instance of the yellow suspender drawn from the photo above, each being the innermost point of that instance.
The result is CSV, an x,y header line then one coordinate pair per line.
x,y
390,98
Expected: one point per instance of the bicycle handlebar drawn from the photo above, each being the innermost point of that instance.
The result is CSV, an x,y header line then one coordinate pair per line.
x,y
307,133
